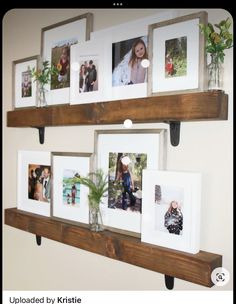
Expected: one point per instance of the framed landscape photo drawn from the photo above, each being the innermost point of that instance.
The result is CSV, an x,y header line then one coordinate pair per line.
x,y
69,197
127,56
24,88
122,155
34,182
177,55
56,41
88,72
171,209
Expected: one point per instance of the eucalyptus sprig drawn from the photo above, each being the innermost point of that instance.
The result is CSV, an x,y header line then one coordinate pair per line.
x,y
219,39
43,75
97,183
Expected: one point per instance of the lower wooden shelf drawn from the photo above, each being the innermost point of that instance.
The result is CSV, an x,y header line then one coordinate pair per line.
x,y
195,268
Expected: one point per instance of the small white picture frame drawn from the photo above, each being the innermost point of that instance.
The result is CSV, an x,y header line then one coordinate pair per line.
x,y
33,194
70,198
89,61
24,87
171,209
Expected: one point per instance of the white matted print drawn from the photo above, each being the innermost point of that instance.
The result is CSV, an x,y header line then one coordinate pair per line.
x,y
128,45
177,55
34,182
56,42
24,88
171,209
69,197
88,72
122,155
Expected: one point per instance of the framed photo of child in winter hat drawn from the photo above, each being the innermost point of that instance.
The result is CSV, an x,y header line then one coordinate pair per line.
x,y
171,209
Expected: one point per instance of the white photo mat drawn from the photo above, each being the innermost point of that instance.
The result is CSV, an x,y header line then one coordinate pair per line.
x,y
63,165
96,51
126,31
182,187
26,158
21,69
193,78
117,141
74,30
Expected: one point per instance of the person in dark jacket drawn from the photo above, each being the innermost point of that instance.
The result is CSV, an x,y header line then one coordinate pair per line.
x,y
91,76
174,218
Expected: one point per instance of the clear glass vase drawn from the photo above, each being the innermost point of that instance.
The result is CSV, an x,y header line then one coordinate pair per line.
x,y
215,74
95,219
42,102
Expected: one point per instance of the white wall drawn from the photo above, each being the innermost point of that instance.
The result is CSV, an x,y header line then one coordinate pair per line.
x,y
204,146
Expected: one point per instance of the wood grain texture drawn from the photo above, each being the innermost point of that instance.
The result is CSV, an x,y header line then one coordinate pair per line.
x,y
181,107
195,268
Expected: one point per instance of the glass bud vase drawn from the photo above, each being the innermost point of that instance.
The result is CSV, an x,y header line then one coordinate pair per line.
x,y
215,74
95,219
42,96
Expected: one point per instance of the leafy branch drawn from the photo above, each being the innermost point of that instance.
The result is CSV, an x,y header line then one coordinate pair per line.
x,y
44,74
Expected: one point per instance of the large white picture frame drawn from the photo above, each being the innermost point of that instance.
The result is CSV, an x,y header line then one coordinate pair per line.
x,y
69,197
120,210
33,195
89,62
123,36
56,39
171,209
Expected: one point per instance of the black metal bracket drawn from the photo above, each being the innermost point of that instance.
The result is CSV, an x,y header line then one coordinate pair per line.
x,y
41,134
38,239
174,132
169,281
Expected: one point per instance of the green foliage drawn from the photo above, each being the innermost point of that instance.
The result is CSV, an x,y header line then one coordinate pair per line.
x,y
43,75
98,186
219,39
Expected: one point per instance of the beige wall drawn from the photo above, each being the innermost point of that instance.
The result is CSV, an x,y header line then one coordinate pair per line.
x,y
204,147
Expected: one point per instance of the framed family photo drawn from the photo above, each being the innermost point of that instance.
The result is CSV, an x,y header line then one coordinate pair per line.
x,y
171,209
88,70
34,182
122,155
69,197
24,88
177,55
56,42
127,71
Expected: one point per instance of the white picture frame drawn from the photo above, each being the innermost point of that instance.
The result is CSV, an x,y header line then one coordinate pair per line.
x,y
127,32
117,216
81,91
54,39
170,227
177,55
24,87
31,195
70,198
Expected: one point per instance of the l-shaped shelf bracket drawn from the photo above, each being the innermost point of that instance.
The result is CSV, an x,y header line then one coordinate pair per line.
x,y
174,132
41,134
38,239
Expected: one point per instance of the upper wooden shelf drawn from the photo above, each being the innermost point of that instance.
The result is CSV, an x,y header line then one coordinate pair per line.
x,y
181,107
195,268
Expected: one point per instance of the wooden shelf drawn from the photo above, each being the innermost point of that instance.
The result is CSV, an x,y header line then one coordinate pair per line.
x,y
195,268
182,107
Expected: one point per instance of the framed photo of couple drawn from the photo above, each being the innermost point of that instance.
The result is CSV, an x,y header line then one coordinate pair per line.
x,y
177,55
122,155
34,182
56,42
171,209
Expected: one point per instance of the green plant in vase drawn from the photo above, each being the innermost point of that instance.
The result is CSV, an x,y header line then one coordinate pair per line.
x,y
97,183
43,77
218,39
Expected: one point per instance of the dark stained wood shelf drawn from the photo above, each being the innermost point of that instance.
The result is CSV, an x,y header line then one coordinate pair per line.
x,y
181,107
195,268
